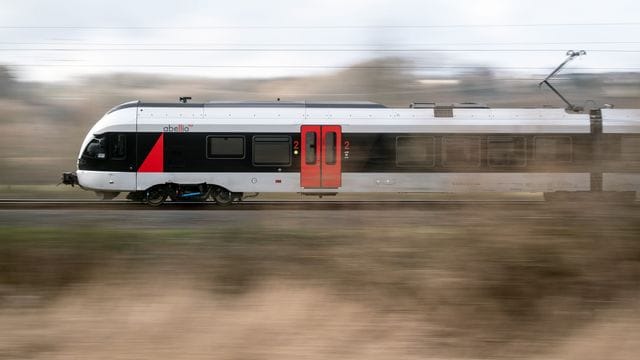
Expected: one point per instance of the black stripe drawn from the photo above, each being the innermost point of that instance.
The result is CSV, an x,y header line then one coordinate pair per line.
x,y
187,152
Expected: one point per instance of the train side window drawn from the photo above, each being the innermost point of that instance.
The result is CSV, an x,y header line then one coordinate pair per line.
x,y
415,151
225,147
553,149
507,151
330,148
310,151
96,148
272,150
118,147
461,151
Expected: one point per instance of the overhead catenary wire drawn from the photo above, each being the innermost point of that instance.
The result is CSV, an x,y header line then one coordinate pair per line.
x,y
310,44
298,50
322,27
422,86
13,49
408,67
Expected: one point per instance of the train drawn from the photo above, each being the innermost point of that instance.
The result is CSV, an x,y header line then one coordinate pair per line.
x,y
224,151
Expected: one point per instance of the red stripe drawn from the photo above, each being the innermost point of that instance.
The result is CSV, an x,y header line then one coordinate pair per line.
x,y
155,159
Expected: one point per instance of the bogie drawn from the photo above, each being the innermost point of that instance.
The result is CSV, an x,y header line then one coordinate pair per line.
x,y
190,193
196,193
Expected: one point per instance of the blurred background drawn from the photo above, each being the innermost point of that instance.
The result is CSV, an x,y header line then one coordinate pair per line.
x,y
63,65
464,281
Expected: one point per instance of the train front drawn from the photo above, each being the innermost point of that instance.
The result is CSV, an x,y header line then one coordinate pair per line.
x,y
107,160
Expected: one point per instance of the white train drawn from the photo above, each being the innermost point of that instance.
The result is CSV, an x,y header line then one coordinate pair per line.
x,y
222,150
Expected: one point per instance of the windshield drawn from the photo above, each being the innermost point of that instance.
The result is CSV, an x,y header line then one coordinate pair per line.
x,y
96,149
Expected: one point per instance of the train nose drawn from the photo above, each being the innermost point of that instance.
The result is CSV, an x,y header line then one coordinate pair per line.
x,y
70,178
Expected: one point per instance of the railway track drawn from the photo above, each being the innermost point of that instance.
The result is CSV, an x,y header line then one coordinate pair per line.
x,y
18,204
244,205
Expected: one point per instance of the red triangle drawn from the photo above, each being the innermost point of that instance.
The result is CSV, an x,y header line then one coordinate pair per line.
x,y
155,160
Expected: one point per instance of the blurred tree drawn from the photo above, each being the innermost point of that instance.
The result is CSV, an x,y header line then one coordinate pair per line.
x,y
7,83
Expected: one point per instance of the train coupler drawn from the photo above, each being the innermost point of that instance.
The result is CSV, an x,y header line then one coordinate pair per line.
x,y
70,178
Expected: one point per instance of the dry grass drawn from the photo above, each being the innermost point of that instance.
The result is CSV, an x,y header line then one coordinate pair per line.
x,y
549,282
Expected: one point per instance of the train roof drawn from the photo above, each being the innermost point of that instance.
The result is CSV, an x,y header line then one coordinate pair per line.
x,y
257,104
361,117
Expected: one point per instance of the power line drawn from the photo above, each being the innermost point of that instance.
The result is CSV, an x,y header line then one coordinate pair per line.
x,y
570,43
263,27
299,50
497,78
314,67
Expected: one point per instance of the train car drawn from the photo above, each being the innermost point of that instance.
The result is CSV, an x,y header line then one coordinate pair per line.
x,y
225,150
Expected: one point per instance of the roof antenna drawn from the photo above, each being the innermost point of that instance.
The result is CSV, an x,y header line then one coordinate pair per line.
x,y
571,54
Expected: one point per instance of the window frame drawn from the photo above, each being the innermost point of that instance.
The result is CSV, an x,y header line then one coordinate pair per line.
x,y
542,161
289,142
244,147
330,150
101,139
426,164
111,147
499,166
443,152
311,148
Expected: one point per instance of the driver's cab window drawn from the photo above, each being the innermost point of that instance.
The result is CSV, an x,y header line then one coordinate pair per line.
x,y
96,148
118,147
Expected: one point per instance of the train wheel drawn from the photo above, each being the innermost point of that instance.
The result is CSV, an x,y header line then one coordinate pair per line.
x,y
222,196
156,195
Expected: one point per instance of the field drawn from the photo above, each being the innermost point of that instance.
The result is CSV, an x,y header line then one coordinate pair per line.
x,y
459,281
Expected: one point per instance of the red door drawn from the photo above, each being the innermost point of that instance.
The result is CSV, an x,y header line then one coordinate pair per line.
x,y
321,160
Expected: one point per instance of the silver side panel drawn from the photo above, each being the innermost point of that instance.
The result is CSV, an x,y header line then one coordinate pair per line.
x,y
237,182
473,127
382,182
107,181
362,120
619,121
365,182
621,182
466,182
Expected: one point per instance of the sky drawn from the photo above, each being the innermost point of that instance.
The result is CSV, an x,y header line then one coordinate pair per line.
x,y
67,39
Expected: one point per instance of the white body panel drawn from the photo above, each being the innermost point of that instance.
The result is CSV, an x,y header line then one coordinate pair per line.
x,y
620,182
358,120
619,121
377,120
465,182
382,182
236,182
107,180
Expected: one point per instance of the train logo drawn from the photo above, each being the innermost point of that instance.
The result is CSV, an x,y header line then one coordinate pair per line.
x,y
180,128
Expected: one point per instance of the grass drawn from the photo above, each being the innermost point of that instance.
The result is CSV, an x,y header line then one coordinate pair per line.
x,y
490,285
44,192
